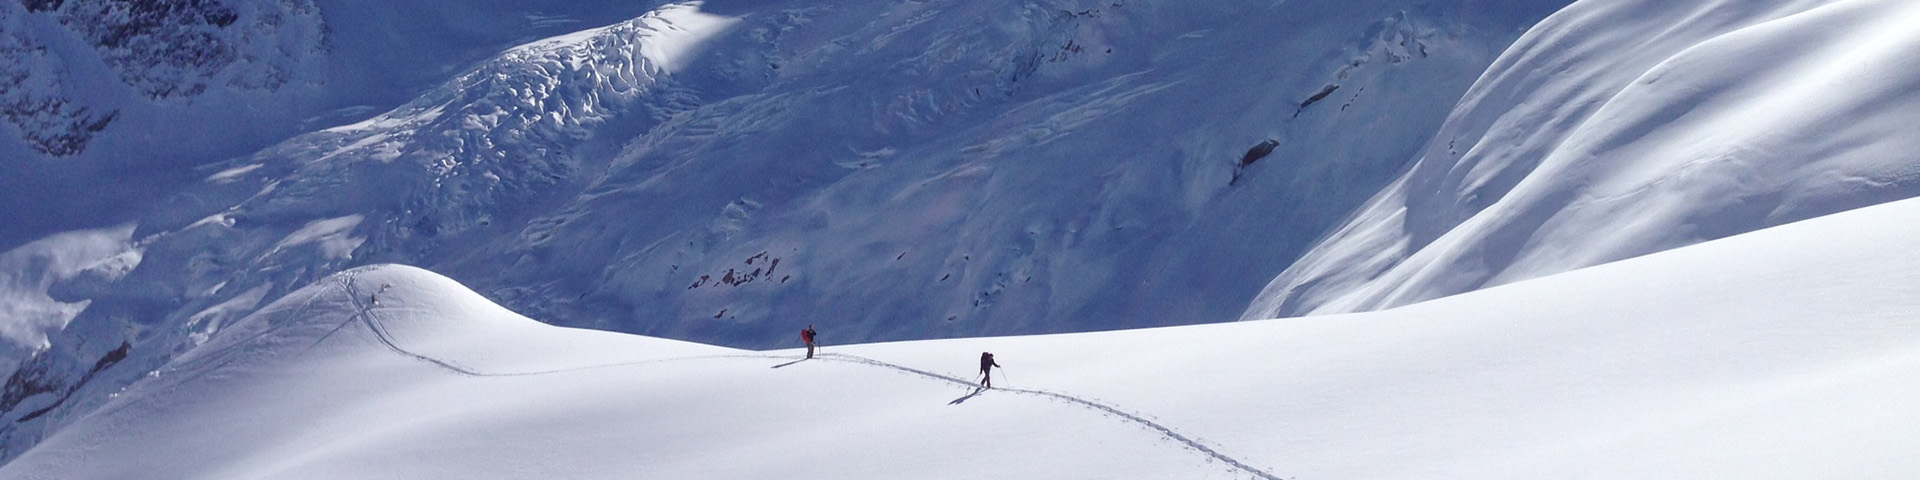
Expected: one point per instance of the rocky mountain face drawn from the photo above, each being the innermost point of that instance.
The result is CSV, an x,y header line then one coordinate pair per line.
x,y
75,64
727,171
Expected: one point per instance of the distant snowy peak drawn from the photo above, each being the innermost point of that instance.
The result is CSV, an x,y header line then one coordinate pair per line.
x,y
1618,129
73,65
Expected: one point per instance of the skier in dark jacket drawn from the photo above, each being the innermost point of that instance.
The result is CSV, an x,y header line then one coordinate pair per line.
x,y
986,370
807,336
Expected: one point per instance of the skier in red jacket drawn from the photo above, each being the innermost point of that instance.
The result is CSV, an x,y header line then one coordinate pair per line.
x,y
807,336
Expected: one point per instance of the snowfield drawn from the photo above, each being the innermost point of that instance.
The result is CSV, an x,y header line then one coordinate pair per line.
x,y
1783,353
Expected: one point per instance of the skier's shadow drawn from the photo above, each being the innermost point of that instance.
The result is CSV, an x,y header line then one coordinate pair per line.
x,y
976,392
791,363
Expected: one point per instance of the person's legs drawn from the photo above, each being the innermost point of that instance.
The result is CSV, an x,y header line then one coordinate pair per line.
x,y
809,350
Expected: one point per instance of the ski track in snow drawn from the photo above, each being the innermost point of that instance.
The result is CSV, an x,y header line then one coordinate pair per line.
x,y
365,316
1156,426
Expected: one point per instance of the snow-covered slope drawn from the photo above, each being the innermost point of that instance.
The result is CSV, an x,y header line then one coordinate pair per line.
x,y
719,169
197,263
1620,128
716,170
725,171
1784,353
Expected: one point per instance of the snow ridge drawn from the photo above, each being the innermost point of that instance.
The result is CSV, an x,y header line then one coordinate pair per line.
x,y
365,314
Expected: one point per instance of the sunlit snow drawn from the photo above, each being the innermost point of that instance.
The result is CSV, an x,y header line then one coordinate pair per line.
x,y
1779,354
1623,238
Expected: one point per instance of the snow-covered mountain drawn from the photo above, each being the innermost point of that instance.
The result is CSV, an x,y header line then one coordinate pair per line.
x,y
1786,353
1621,128
700,172
727,171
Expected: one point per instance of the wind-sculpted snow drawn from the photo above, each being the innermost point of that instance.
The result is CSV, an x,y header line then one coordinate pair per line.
x,y
1618,129
29,273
